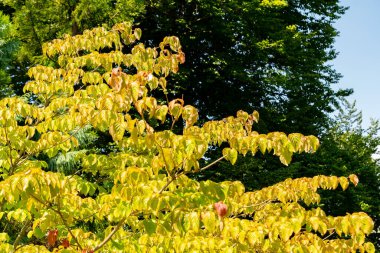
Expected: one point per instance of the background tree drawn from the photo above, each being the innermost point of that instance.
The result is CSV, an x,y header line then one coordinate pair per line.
x,y
41,21
8,46
138,197
272,55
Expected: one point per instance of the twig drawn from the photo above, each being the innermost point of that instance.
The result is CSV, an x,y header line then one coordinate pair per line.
x,y
118,226
66,225
169,182
183,173
60,215
211,164
328,236
22,232
259,204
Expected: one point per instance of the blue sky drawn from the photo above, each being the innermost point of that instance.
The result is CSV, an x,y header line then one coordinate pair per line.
x,y
359,55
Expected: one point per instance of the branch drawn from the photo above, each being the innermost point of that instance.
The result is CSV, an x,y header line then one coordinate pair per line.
x,y
328,235
118,226
68,229
20,235
179,173
259,204
169,182
60,215
211,164
12,168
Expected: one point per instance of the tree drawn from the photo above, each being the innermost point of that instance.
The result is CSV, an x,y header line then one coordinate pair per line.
x,y
8,46
349,148
271,55
40,21
139,196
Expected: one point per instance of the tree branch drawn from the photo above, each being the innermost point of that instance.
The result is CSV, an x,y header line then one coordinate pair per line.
x,y
67,226
211,164
169,182
118,226
60,215
21,234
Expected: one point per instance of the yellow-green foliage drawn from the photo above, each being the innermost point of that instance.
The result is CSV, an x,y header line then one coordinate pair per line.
x,y
151,205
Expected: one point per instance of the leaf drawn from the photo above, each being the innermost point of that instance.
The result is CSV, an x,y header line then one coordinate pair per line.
x,y
135,88
369,247
230,154
137,32
52,237
354,179
285,231
38,233
343,182
210,222
150,226
175,108
4,237
262,141
161,112
190,115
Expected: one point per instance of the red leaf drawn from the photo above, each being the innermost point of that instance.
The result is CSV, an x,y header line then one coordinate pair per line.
x,y
221,209
52,237
65,243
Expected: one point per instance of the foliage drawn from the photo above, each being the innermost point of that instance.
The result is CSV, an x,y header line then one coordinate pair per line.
x,y
272,55
139,196
39,21
350,148
346,148
8,46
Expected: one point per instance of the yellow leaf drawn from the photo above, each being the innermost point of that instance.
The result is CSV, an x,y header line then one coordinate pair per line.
x,y
285,231
230,154
354,179
343,182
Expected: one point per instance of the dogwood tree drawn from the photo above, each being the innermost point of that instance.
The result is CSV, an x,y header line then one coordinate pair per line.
x,y
137,196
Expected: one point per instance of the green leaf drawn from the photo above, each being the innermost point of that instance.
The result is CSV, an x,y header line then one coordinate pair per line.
x,y
38,233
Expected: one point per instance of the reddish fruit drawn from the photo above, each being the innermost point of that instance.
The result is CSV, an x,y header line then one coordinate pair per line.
x,y
52,237
87,251
65,243
221,209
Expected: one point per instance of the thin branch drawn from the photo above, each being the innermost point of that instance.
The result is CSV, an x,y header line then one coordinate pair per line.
x,y
21,234
60,215
183,173
169,182
67,225
11,169
118,226
259,204
328,236
211,164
